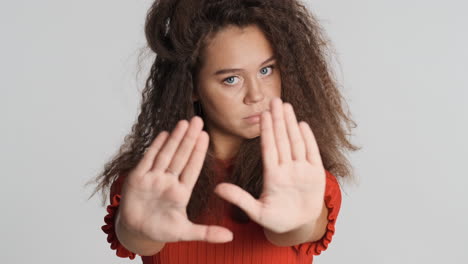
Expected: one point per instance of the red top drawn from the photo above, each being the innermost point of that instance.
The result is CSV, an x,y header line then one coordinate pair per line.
x,y
249,244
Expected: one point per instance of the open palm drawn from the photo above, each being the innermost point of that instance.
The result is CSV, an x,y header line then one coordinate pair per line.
x,y
156,193
293,179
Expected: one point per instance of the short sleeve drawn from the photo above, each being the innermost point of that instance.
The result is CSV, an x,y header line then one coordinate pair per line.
x,y
109,219
333,202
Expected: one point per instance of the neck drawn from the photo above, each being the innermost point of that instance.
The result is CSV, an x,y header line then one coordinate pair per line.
x,y
225,146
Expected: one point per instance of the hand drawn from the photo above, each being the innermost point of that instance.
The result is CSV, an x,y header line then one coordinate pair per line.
x,y
156,193
294,177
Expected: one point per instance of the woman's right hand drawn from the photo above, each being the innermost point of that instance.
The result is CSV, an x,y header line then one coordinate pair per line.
x,y
156,192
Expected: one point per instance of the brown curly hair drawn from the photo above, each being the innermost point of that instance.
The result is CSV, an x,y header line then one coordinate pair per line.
x,y
177,31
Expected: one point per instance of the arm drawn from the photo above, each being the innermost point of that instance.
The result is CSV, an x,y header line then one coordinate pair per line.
x,y
309,232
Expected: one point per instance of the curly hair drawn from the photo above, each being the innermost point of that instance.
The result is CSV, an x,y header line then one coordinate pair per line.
x,y
177,31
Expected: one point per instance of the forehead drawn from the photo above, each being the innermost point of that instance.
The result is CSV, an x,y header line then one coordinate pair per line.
x,y
237,47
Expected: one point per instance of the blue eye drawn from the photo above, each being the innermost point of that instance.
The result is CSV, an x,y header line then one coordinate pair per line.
x,y
230,80
264,70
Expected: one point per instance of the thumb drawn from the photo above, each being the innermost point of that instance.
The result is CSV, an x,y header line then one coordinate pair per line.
x,y
208,233
240,197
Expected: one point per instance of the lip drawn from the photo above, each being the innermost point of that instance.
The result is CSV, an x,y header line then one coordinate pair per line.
x,y
255,118
254,115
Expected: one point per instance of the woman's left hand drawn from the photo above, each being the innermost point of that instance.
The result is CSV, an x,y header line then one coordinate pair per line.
x,y
293,174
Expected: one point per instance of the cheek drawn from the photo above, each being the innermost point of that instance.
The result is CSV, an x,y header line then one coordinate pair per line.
x,y
275,84
220,105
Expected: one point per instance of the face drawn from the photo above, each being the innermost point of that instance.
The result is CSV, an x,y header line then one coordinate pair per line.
x,y
238,79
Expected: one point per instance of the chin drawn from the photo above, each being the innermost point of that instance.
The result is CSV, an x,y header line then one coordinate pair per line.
x,y
251,136
252,132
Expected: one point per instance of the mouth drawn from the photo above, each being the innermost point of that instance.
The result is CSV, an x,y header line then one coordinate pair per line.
x,y
256,114
253,116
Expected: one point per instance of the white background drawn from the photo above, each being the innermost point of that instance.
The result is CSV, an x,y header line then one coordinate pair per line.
x,y
69,92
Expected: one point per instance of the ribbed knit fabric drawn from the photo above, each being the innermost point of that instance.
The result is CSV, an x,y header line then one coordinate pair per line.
x,y
249,245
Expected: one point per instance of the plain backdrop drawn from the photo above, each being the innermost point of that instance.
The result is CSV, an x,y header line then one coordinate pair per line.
x,y
69,92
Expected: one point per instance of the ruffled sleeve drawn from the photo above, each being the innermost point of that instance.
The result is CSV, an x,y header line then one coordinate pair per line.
x,y
109,219
333,202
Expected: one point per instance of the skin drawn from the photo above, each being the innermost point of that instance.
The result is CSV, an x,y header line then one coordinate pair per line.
x,y
156,192
291,207
229,97
232,95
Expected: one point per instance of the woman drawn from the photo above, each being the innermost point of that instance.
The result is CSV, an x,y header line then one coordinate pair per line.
x,y
221,74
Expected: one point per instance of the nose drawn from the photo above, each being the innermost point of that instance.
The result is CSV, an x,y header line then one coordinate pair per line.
x,y
254,92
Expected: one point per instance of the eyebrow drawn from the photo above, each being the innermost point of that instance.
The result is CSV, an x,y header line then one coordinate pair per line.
x,y
224,71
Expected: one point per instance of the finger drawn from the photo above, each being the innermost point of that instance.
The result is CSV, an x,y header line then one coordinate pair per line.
x,y
267,141
312,149
193,168
279,128
164,157
208,233
186,146
294,133
151,152
240,197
